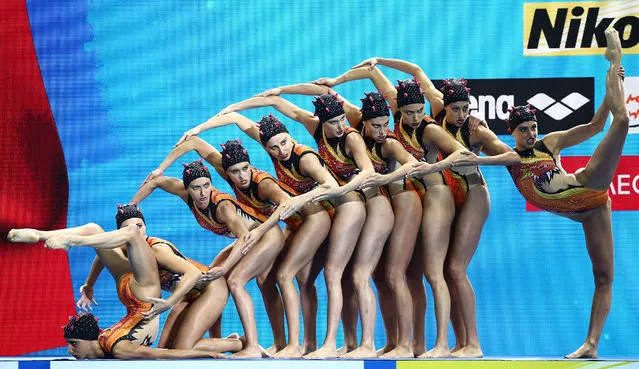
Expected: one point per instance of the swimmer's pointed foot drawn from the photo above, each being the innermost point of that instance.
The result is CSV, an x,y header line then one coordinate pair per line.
x,y
58,243
25,235
613,50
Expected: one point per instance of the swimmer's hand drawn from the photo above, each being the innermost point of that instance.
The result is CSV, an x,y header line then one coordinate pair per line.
x,y
153,175
374,180
270,92
213,274
86,299
466,159
420,169
250,239
370,63
159,306
476,123
228,110
203,278
187,135
329,193
325,81
292,206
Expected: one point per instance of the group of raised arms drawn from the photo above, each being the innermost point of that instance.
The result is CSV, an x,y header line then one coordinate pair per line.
x,y
395,205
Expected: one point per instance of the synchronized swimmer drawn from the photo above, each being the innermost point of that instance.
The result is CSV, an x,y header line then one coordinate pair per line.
x,y
370,202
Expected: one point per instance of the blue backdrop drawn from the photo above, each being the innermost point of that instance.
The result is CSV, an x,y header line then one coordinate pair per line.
x,y
126,79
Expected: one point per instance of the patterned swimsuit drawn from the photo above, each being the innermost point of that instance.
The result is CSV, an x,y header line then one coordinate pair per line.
x,y
460,180
207,219
250,197
546,185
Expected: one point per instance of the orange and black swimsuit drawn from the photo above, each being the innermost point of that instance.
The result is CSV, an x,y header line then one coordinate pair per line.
x,y
134,326
374,151
460,180
206,218
547,186
411,139
290,174
168,278
333,151
251,198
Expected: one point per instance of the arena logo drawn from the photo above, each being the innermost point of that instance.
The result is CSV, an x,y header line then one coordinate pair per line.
x,y
558,110
577,28
624,189
561,103
631,86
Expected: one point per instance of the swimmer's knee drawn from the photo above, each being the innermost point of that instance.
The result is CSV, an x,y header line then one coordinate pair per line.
x,y
603,277
622,119
131,232
93,228
235,283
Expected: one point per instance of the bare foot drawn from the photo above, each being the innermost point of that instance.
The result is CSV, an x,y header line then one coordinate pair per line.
x,y
242,339
289,352
419,349
437,352
586,351
308,348
385,349
25,235
398,351
248,352
455,349
468,352
235,336
361,352
322,353
272,350
265,353
57,243
613,50
345,350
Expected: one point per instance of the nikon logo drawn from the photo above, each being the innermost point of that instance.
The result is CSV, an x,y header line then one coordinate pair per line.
x,y
577,28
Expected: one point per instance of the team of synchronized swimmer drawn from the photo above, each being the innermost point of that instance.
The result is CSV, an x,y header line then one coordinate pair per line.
x,y
395,205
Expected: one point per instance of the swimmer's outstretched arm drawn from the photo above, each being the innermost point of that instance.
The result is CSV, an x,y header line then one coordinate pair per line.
x,y
128,350
432,94
224,118
285,107
86,290
383,84
309,120
226,214
410,166
169,184
203,149
190,276
498,152
556,141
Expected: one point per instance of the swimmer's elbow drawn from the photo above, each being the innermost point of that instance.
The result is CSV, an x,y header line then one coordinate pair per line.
x,y
513,158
